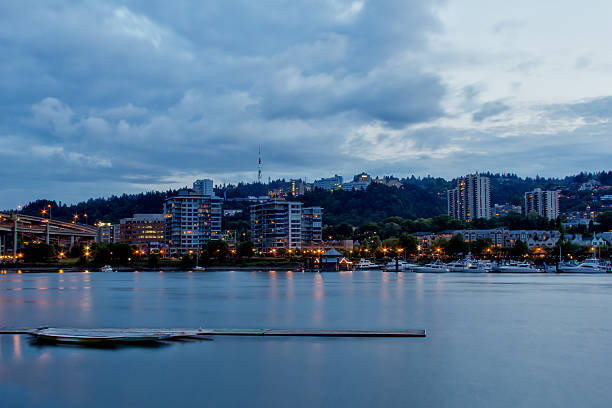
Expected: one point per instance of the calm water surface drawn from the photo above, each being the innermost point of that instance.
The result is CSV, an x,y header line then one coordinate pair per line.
x,y
493,340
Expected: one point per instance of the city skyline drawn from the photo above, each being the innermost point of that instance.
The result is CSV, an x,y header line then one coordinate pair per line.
x,y
101,98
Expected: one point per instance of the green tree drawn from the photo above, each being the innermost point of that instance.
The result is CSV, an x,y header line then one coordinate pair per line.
x,y
456,245
605,221
217,249
38,253
187,261
479,246
246,249
519,249
153,261
408,243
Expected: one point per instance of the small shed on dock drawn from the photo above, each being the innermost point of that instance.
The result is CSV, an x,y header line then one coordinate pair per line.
x,y
330,260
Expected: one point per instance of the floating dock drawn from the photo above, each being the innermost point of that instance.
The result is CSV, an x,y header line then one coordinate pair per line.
x,y
138,335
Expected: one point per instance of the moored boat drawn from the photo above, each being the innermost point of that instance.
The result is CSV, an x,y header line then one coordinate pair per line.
x,y
516,267
400,265
592,265
435,267
365,264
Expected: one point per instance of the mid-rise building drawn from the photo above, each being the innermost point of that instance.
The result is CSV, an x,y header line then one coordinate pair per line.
x,y
143,230
330,183
470,199
312,225
501,210
204,187
280,224
108,232
543,203
191,220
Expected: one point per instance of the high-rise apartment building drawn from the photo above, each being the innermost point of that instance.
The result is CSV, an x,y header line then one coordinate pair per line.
x,y
471,198
191,220
544,203
279,224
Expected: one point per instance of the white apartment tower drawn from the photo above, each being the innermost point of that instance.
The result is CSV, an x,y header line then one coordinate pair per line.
x,y
544,203
471,198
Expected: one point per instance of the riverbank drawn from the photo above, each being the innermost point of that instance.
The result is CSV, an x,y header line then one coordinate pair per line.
x,y
63,269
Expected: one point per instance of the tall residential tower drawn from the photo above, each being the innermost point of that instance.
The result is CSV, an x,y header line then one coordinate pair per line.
x,y
544,203
471,198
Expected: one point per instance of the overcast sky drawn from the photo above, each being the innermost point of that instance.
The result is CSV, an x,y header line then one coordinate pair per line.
x,y
104,97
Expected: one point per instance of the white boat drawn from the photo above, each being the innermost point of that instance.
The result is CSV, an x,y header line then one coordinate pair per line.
x,y
478,267
365,264
106,268
516,267
592,265
436,267
456,266
399,265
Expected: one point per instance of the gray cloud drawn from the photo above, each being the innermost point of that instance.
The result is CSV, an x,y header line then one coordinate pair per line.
x,y
99,98
490,109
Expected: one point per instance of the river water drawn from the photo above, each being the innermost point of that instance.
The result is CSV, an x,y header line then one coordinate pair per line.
x,y
492,340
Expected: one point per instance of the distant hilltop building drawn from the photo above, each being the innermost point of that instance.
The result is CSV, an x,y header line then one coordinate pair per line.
x,y
471,198
501,210
543,203
360,182
329,183
204,187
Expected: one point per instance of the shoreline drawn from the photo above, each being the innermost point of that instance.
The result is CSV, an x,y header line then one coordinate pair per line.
x,y
76,269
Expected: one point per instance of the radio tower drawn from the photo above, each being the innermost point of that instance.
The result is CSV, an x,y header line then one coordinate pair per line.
x,y
259,166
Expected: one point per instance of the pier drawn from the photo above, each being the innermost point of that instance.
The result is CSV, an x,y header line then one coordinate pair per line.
x,y
130,334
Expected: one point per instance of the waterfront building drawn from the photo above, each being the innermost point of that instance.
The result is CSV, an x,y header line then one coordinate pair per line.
x,y
470,199
280,224
543,203
146,231
191,220
312,225
107,232
330,183
276,224
501,237
501,210
204,187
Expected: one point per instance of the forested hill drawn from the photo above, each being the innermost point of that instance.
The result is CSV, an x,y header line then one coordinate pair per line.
x,y
110,209
377,203
418,197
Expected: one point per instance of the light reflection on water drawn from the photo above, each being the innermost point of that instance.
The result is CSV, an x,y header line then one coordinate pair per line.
x,y
493,340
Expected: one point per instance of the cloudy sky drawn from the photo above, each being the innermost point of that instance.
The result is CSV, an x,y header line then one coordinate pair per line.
x,y
103,97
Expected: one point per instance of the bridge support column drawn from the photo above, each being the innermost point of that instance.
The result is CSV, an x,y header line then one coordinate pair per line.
x,y
15,240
